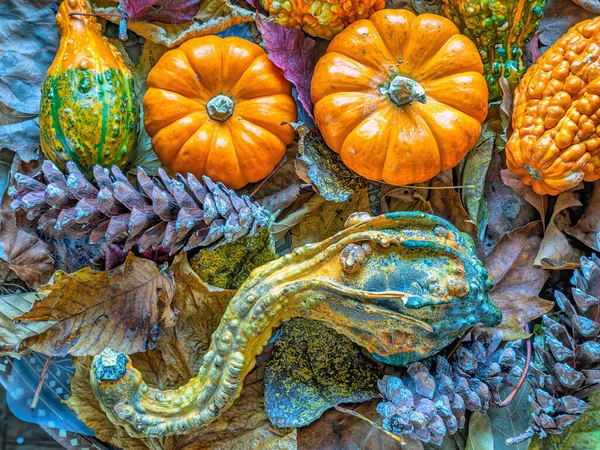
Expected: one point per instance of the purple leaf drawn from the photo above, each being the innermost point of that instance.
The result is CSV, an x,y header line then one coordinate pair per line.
x,y
167,11
293,52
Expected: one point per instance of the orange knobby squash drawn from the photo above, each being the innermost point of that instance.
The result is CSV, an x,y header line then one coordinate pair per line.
x,y
214,106
400,97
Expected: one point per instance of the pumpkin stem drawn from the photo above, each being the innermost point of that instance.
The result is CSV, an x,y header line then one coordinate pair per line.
x,y
220,108
403,91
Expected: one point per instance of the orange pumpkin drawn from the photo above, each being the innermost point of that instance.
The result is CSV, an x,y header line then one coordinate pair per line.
x,y
214,106
400,97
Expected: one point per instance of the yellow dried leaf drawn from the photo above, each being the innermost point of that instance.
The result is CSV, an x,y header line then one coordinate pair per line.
x,y
328,219
177,358
13,334
125,309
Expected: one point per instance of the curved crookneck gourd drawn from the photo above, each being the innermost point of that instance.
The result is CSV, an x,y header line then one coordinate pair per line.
x,y
401,284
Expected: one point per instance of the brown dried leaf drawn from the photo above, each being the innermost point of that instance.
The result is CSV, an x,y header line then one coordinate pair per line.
x,y
200,309
404,198
328,219
13,334
24,253
556,252
507,210
517,282
587,229
447,204
177,359
539,202
125,308
339,430
313,204
214,16
243,426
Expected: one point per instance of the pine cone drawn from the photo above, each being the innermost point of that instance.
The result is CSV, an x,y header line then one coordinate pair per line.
x,y
566,368
161,212
430,401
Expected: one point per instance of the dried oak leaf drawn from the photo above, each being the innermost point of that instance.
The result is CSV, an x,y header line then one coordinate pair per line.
x,y
447,204
200,307
212,17
404,198
166,11
176,359
310,206
293,52
126,308
13,334
24,253
337,430
516,282
327,218
556,252
302,381
587,228
322,167
539,202
507,210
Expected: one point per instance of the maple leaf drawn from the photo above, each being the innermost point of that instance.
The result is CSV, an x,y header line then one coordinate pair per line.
x,y
166,11
125,308
516,282
294,53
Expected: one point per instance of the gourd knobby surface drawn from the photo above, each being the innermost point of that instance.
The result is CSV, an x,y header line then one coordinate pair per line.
x,y
499,29
402,285
320,18
88,110
400,97
215,107
556,143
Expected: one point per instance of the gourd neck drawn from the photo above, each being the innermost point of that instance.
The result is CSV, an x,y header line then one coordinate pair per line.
x,y
312,282
220,108
403,91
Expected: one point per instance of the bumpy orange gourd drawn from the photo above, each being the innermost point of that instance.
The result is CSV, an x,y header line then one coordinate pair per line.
x,y
320,18
399,97
556,139
215,107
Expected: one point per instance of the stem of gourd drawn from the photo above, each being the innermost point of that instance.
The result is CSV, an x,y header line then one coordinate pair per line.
x,y
403,91
220,108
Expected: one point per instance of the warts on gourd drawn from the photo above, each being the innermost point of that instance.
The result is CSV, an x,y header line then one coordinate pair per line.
x,y
366,282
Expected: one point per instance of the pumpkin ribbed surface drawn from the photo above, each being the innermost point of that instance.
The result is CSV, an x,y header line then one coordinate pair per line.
x,y
400,97
215,107
88,112
500,28
320,18
555,144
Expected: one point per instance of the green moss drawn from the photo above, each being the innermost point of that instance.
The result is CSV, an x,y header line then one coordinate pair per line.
x,y
229,265
312,369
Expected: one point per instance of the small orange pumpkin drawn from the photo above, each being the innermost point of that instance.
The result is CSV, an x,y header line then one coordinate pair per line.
x,y
400,97
215,107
